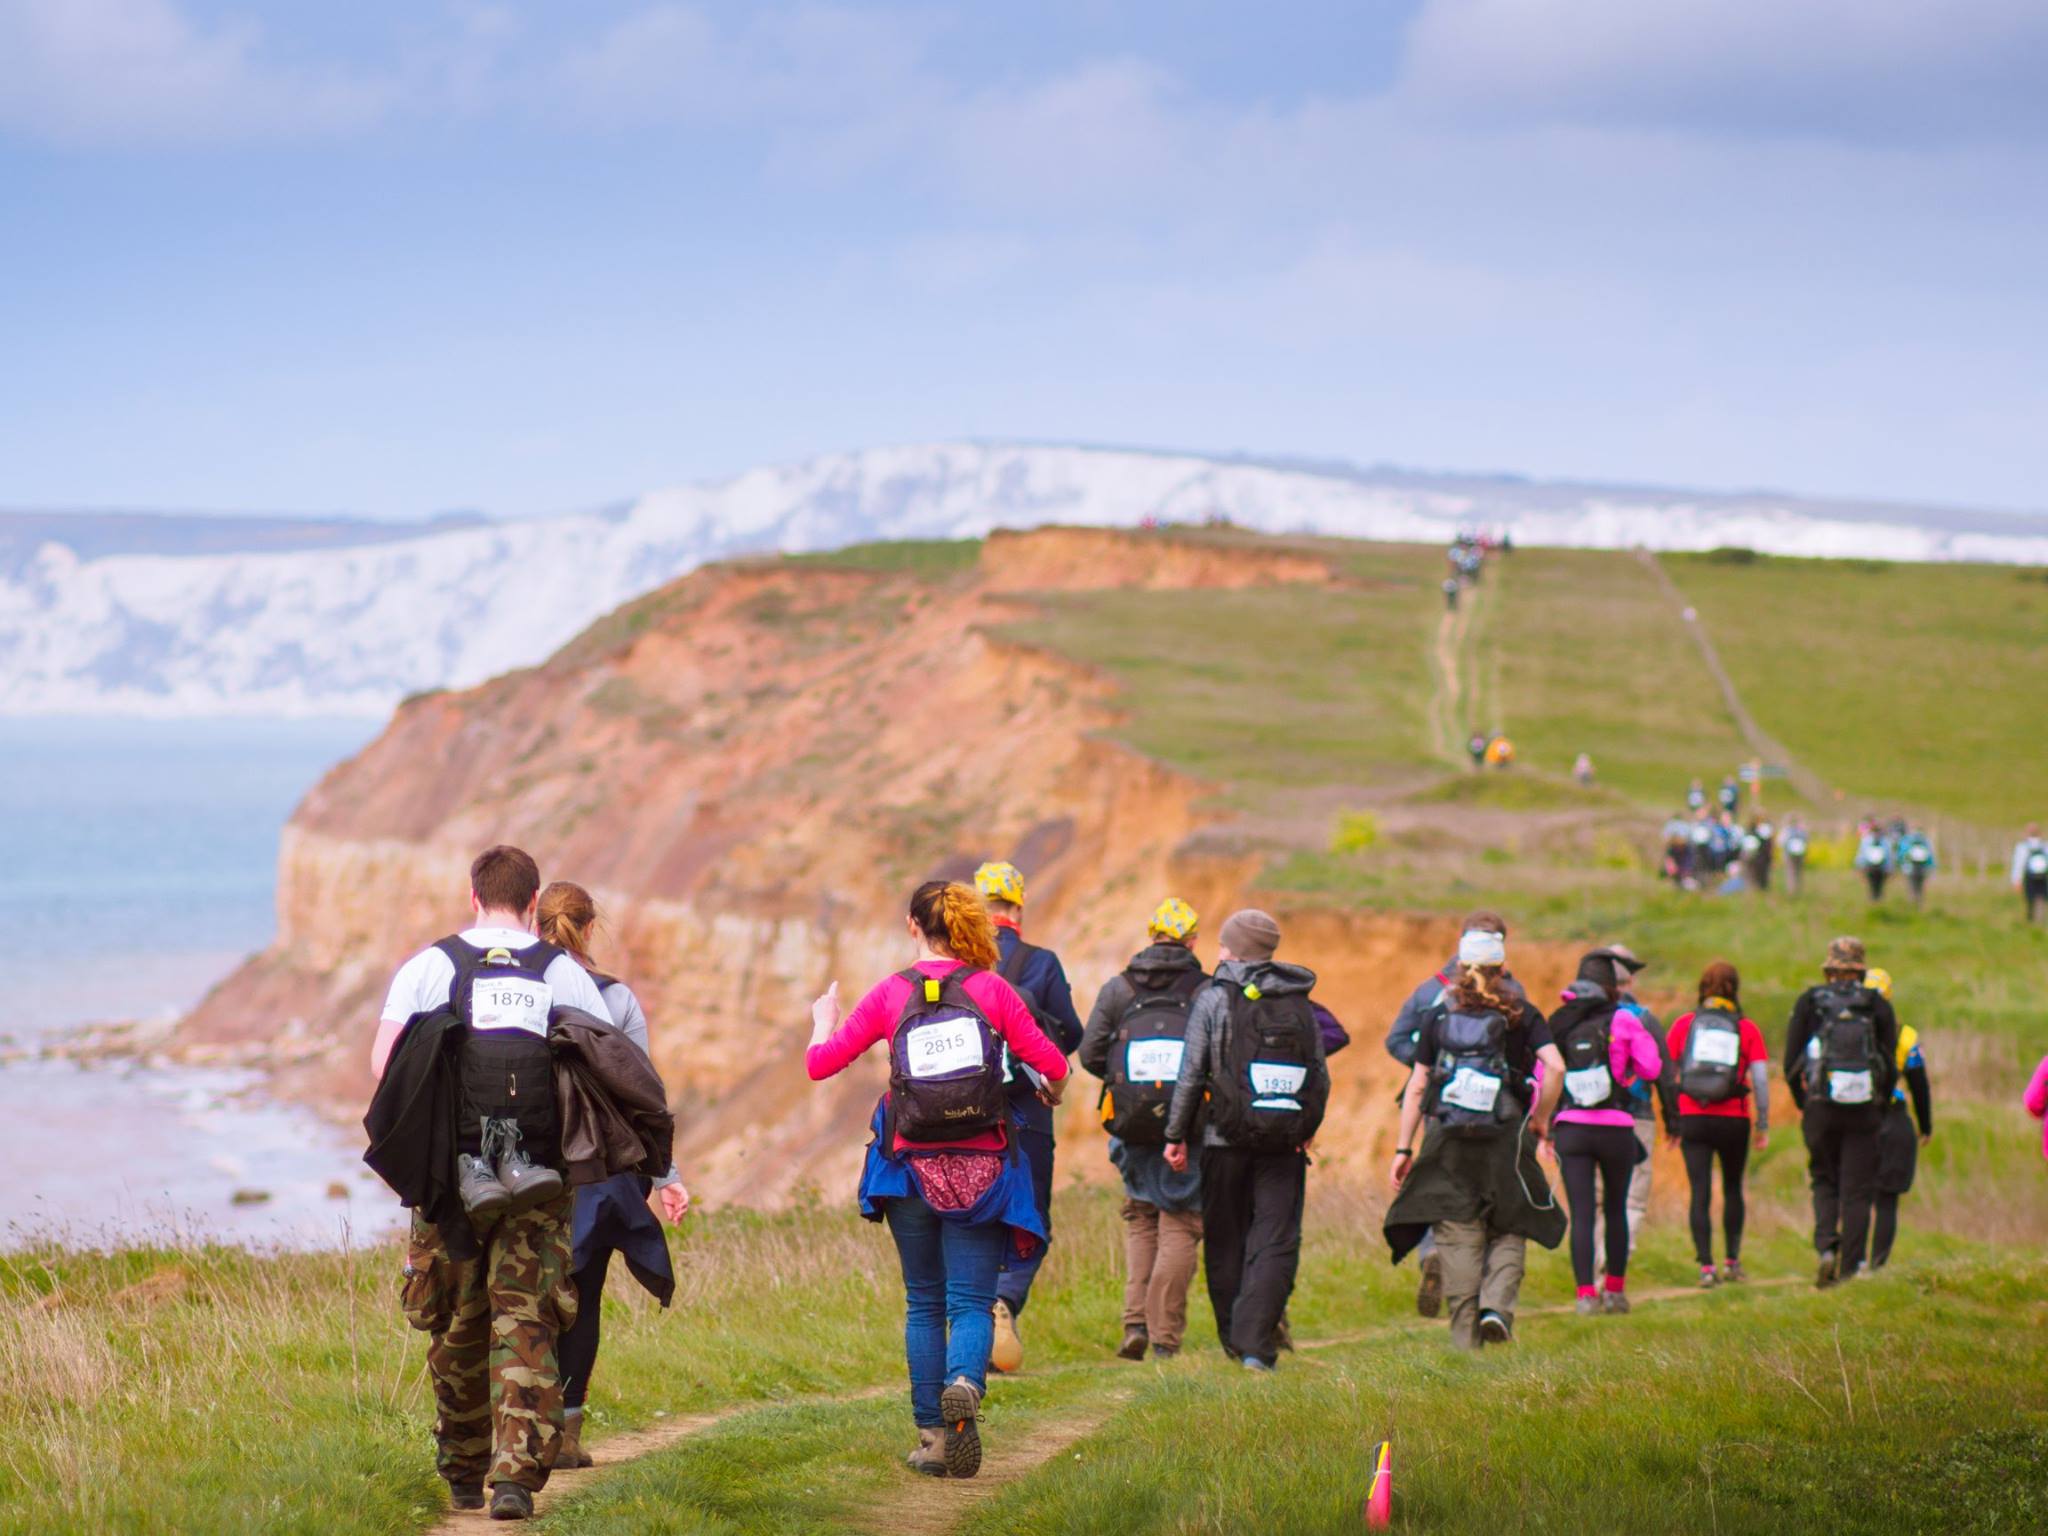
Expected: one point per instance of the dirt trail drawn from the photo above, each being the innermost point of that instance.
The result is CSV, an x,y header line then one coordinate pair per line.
x,y
933,1506
1766,747
1444,703
617,1450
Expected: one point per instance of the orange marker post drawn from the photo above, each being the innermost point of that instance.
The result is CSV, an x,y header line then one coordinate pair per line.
x,y
1379,1499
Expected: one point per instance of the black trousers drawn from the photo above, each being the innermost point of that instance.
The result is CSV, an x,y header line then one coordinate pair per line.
x,y
1701,1140
1841,1163
2036,888
1875,878
576,1349
1611,1152
1251,1242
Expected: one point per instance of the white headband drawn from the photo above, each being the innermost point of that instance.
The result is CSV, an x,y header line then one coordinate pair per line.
x,y
1482,948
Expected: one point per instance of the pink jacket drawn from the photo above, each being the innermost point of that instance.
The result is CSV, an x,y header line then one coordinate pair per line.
x,y
2037,1101
1631,1054
873,1021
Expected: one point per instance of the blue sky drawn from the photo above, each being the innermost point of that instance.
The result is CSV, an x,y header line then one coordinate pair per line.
x,y
403,257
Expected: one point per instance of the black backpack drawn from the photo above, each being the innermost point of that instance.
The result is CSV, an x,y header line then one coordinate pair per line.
x,y
1844,1064
1144,1059
1710,1068
1583,1031
507,1070
945,1063
1474,1092
1271,1086
1012,970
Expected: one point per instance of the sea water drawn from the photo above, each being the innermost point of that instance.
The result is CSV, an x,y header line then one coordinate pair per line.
x,y
138,865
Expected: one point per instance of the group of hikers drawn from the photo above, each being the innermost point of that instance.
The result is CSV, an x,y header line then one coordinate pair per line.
x,y
1894,846
517,1112
1467,560
1707,846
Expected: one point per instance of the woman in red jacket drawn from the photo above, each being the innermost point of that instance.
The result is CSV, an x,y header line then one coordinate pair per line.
x,y
1723,1075
942,1169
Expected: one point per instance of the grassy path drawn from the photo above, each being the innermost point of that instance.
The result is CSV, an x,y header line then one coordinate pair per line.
x,y
1766,747
931,1506
1069,1406
1446,733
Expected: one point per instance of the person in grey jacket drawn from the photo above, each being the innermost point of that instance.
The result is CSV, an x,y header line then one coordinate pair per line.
x,y
1424,1005
1162,1207
1251,1199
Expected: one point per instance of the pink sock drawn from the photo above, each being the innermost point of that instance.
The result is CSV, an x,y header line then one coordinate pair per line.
x,y
1586,1290
1616,1282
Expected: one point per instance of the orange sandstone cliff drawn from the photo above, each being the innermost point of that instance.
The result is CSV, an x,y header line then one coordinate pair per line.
x,y
751,768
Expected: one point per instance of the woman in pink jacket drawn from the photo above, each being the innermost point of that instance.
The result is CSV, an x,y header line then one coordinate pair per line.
x,y
2037,1101
1605,1048
942,1170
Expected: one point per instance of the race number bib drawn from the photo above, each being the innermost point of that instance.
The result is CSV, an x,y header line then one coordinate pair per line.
x,y
943,1047
2037,863
1849,1087
1277,1077
1717,1048
1588,1086
510,1002
1796,847
1153,1061
1471,1089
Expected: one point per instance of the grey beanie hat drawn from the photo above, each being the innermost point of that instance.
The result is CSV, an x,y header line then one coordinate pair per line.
x,y
1250,935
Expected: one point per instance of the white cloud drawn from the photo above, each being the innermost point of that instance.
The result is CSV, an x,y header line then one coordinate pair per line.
x,y
96,70
1905,71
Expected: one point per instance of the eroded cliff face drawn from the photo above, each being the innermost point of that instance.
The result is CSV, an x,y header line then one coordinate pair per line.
x,y
751,769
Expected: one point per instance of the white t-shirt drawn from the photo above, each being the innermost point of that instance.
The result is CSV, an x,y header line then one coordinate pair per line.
x,y
423,982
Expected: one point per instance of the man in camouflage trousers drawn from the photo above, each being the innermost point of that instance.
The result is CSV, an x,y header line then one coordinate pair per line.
x,y
496,1299
494,1320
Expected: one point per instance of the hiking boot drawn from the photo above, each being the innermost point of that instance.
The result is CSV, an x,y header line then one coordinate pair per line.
x,y
1732,1272
1133,1347
1007,1353
526,1181
1587,1306
482,1195
1708,1279
465,1495
509,1501
930,1456
1283,1336
1254,1363
961,1404
1615,1303
570,1453
1830,1270
1429,1296
1164,1352
1494,1329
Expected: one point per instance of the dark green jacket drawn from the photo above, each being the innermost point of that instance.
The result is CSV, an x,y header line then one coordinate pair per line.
x,y
1496,1180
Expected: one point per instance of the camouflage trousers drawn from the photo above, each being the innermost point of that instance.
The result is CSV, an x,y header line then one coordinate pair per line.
x,y
494,1320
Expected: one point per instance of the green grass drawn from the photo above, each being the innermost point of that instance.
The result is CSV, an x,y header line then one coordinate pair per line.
x,y
933,559
1919,684
1268,688
1904,1404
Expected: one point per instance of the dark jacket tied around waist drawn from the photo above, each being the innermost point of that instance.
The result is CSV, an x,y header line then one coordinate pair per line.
x,y
609,1103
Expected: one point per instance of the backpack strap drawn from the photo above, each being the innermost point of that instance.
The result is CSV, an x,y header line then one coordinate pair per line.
x,y
1012,969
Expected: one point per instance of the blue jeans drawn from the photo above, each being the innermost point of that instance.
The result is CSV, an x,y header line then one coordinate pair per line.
x,y
949,1278
1015,1285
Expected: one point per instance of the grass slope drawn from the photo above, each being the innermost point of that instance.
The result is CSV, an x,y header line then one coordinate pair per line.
x,y
1921,683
